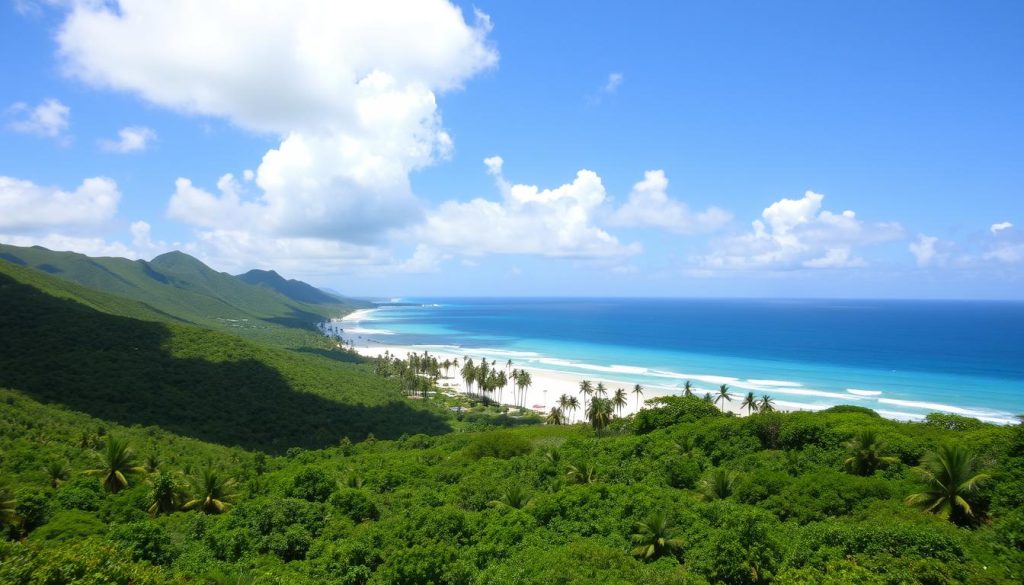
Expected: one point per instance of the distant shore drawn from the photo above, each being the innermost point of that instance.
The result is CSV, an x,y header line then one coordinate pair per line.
x,y
548,384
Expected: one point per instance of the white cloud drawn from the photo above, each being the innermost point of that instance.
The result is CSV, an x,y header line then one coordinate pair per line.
x,y
50,118
529,220
924,250
130,139
650,206
614,81
797,233
27,206
998,227
89,246
349,87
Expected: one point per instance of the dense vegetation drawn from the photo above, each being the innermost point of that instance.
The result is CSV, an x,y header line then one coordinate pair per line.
x,y
259,305
135,449
58,345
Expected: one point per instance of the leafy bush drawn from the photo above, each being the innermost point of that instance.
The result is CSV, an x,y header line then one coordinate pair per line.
x,y
498,444
312,484
353,503
672,410
144,541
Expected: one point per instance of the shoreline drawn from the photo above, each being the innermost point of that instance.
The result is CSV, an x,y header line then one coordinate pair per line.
x,y
357,329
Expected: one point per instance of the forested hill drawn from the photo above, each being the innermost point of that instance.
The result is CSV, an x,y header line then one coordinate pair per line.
x,y
180,286
123,361
291,288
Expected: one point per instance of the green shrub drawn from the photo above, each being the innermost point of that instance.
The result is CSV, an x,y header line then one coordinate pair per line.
x,y
498,444
353,503
68,526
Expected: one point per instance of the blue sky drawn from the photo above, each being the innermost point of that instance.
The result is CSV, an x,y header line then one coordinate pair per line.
x,y
668,149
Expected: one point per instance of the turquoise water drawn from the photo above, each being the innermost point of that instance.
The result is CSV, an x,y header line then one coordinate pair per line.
x,y
901,358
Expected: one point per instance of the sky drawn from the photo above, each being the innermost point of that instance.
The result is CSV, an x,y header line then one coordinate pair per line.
x,y
682,149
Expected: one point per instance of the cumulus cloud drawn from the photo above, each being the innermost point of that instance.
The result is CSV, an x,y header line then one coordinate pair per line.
x,y
50,118
27,206
90,246
797,233
998,227
130,139
528,220
350,88
650,206
924,250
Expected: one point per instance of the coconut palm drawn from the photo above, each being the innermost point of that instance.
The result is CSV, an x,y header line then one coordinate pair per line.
x,y
573,406
152,463
585,473
707,398
166,496
212,492
600,390
717,485
950,479
555,417
687,389
513,496
468,373
57,472
118,465
586,390
750,403
655,537
619,400
600,413
723,396
638,391
525,381
865,451
766,404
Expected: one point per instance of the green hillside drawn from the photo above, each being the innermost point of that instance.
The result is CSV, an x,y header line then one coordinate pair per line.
x,y
95,353
182,287
291,288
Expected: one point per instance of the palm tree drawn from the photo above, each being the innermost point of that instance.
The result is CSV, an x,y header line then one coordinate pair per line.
x,y
723,396
468,373
619,400
118,464
584,473
555,417
655,537
766,404
513,496
950,478
166,496
638,391
57,472
525,381
865,450
600,413
750,403
573,406
212,492
600,391
718,484
586,389
152,463
688,389
707,398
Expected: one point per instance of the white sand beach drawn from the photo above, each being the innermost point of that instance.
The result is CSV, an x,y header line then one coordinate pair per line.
x,y
549,383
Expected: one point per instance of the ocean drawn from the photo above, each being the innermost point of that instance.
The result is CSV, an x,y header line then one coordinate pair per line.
x,y
903,359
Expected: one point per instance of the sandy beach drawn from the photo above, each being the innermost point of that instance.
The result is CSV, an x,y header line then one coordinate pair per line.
x,y
549,383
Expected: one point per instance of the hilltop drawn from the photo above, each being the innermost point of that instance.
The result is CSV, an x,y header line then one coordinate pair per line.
x,y
181,287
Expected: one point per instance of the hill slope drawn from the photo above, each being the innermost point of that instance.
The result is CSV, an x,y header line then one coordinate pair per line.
x,y
184,288
291,288
93,352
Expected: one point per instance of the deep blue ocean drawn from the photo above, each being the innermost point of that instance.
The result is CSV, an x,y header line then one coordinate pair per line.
x,y
901,358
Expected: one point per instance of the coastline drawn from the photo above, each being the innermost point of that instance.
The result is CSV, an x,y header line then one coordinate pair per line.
x,y
553,377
